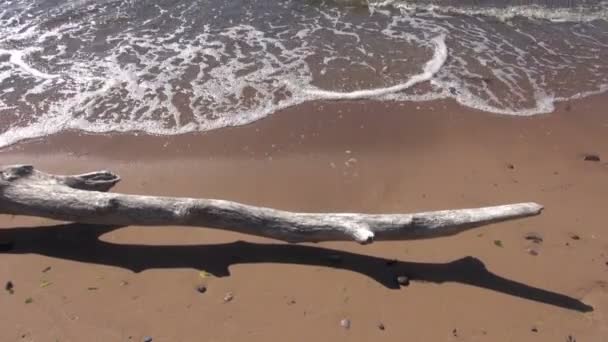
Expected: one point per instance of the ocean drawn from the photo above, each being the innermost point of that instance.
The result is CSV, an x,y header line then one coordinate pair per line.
x,y
176,66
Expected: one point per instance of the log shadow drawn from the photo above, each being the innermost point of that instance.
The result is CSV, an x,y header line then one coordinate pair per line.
x,y
80,242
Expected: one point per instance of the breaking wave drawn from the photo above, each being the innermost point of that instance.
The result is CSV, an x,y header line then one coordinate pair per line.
x,y
176,66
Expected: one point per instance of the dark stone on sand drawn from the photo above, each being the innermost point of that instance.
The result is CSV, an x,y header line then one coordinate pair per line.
x,y
575,237
403,280
534,237
381,326
534,329
201,289
455,332
510,166
592,157
9,287
46,269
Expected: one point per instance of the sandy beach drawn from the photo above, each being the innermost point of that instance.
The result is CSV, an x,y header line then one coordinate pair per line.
x,y
94,283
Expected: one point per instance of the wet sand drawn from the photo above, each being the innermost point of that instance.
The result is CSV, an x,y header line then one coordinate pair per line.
x,y
135,282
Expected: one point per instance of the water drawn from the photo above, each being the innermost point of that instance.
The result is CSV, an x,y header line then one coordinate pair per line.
x,y
177,66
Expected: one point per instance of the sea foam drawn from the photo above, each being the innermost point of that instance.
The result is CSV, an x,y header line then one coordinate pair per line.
x,y
187,66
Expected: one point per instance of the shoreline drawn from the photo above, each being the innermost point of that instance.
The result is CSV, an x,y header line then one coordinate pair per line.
x,y
327,157
358,123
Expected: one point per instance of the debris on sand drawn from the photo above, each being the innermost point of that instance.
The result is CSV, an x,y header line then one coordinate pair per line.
x,y
228,297
345,323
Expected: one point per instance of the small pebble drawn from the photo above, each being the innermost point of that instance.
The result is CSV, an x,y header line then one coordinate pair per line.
x,y
46,269
575,237
345,323
202,289
381,326
9,287
148,339
534,237
403,280
455,333
592,157
532,252
534,329
510,166
228,297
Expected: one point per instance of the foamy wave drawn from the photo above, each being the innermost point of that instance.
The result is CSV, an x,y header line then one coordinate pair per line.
x,y
431,67
16,57
573,13
193,65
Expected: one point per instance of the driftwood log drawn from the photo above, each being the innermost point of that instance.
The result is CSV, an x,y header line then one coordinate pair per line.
x,y
83,198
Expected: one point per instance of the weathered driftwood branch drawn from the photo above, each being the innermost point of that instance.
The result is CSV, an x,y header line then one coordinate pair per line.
x,y
81,198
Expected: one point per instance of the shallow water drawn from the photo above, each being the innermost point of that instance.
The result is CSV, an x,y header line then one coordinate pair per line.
x,y
176,66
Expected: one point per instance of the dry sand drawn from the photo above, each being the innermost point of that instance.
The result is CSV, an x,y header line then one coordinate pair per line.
x,y
352,156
